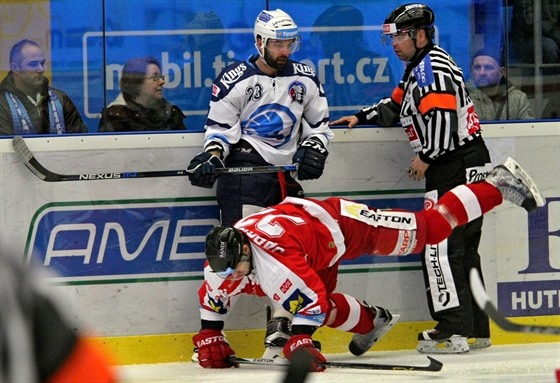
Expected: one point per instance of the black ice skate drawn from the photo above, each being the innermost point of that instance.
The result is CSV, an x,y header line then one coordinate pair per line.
x,y
277,333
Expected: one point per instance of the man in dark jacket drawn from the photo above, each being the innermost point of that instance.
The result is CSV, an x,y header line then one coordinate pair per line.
x,y
27,104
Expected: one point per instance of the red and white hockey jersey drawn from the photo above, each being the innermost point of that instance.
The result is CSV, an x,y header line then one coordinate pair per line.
x,y
296,248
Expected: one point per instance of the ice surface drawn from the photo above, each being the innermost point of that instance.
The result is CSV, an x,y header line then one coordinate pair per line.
x,y
527,363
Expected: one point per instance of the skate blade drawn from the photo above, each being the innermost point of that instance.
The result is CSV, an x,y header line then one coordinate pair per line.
x,y
433,347
519,172
394,320
272,353
386,329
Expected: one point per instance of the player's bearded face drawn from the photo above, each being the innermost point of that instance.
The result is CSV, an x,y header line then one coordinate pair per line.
x,y
275,60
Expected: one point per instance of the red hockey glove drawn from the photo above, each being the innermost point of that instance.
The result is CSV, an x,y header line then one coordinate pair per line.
x,y
304,342
213,349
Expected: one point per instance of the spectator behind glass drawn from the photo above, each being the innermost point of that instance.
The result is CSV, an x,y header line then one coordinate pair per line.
x,y
140,106
522,30
494,97
27,104
349,49
552,108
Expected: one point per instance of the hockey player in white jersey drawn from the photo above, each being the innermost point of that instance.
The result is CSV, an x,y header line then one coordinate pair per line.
x,y
291,252
267,110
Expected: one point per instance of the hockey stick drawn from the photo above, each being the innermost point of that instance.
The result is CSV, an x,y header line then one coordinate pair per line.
x,y
483,301
435,365
29,160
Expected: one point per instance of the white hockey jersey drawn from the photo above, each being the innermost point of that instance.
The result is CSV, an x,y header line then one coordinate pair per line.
x,y
273,114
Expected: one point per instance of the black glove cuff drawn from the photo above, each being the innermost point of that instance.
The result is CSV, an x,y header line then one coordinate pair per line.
x,y
211,325
299,329
362,117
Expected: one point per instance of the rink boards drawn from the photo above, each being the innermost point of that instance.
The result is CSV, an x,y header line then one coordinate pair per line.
x,y
128,253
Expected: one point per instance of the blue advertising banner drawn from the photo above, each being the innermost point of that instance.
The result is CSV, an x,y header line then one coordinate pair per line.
x,y
141,239
194,41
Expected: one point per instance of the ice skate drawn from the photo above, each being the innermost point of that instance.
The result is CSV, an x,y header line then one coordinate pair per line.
x,y
277,333
478,343
516,185
383,321
436,342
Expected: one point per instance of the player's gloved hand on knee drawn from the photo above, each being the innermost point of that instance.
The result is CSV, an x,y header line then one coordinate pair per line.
x,y
310,158
202,169
304,342
213,349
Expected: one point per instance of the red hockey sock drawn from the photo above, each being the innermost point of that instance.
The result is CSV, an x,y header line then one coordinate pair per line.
x,y
437,226
468,202
349,314
460,205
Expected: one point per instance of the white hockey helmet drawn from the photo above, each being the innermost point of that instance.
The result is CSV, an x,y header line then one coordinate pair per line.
x,y
276,25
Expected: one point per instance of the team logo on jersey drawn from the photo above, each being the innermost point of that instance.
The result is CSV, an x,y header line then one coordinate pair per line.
x,y
216,305
297,91
296,302
272,123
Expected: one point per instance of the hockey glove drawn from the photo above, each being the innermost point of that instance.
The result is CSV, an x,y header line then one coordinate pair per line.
x,y
304,342
310,158
213,349
202,169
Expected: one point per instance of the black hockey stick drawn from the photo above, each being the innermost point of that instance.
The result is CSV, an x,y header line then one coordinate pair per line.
x,y
482,299
434,366
25,155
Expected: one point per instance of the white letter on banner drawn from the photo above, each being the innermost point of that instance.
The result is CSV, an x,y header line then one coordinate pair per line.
x,y
164,225
86,253
178,239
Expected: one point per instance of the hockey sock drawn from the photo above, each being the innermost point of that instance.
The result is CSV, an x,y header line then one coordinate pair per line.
x,y
468,202
349,314
460,205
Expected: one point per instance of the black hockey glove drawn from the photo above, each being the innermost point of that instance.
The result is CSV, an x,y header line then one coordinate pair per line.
x,y
202,169
310,158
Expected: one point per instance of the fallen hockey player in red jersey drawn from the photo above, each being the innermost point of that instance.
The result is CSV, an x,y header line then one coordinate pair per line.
x,y
290,252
